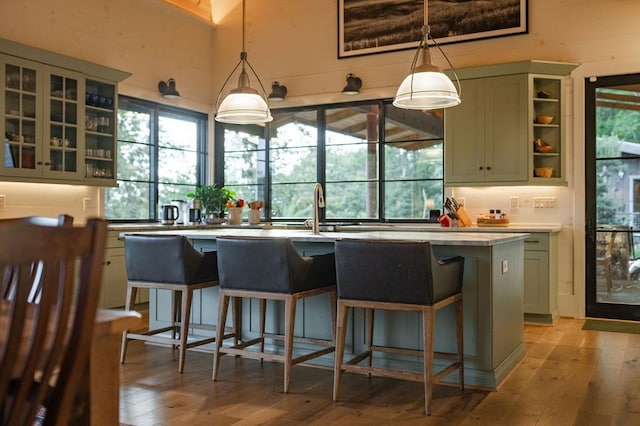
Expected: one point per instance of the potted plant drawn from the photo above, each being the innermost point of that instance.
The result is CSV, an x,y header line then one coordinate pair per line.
x,y
213,201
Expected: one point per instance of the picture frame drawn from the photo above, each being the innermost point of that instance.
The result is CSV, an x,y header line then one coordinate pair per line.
x,y
378,26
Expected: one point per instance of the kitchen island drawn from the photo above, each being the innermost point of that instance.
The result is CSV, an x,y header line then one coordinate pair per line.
x,y
492,291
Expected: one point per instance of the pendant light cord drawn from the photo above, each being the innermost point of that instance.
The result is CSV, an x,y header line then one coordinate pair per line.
x,y
243,61
424,44
244,51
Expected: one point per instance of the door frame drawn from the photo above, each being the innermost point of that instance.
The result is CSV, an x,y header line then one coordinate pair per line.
x,y
592,308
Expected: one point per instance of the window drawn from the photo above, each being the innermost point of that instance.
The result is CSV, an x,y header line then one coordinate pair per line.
x,y
375,162
161,157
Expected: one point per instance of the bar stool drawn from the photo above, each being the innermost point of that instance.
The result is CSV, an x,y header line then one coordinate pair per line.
x,y
272,269
397,276
168,262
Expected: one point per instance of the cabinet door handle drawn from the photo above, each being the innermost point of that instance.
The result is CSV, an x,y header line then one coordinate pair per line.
x,y
108,262
488,167
481,168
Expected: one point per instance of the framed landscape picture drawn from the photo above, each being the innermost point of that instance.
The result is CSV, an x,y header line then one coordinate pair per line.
x,y
376,26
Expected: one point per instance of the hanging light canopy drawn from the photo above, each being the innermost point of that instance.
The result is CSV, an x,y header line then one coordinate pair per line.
x,y
427,87
243,105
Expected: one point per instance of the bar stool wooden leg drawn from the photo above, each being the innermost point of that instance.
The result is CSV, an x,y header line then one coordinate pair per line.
x,y
236,315
223,306
263,310
289,326
334,302
459,333
175,316
129,305
370,317
341,331
184,326
428,319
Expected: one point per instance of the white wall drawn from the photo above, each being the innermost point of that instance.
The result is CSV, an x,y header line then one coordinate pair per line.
x,y
295,42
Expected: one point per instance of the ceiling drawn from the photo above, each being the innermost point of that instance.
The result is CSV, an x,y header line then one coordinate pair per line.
x,y
199,8
619,97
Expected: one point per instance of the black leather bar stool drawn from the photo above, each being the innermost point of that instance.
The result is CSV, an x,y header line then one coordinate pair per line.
x,y
397,276
272,269
168,262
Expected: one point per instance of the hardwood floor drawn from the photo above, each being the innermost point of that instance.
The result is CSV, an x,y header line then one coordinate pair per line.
x,y
569,377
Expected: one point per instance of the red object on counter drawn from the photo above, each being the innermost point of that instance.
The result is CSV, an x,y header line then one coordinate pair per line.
x,y
444,220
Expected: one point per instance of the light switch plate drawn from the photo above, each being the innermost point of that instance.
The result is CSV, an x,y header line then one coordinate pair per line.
x,y
2,201
514,202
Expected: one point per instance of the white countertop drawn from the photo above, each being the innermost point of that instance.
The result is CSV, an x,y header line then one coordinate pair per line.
x,y
430,227
305,235
415,227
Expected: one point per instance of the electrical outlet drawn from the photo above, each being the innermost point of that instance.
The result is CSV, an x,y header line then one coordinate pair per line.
x,y
505,266
2,201
514,202
86,204
544,202
460,201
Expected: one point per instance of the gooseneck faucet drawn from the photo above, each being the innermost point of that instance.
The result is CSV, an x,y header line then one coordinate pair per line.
x,y
318,202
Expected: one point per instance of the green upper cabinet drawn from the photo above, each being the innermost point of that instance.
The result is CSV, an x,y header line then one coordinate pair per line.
x,y
484,135
490,139
57,115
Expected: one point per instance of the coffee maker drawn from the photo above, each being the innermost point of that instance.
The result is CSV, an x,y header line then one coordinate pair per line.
x,y
183,211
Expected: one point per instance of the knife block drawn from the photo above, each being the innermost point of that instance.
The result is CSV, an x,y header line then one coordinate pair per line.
x,y
463,218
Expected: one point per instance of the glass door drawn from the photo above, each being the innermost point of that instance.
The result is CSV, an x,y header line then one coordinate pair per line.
x,y
20,103
612,178
62,136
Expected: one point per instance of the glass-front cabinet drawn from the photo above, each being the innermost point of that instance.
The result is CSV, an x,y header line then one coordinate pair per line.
x,y
57,121
20,116
62,135
99,131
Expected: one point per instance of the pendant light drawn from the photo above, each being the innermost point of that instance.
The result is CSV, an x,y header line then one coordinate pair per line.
x,y
427,87
243,105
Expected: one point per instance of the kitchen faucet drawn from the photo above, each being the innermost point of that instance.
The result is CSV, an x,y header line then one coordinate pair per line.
x,y
318,202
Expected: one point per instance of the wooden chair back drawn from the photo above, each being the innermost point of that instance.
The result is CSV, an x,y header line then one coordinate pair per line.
x,y
7,281
45,344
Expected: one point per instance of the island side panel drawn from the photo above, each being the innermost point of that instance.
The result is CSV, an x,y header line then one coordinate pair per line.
x,y
493,323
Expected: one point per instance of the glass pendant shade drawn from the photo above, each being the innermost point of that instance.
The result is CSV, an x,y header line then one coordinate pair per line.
x,y
243,107
426,89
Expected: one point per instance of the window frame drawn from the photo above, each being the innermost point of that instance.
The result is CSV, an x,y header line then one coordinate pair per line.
x,y
157,110
321,109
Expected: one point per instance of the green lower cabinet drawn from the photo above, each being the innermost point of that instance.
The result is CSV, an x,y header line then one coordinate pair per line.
x,y
540,283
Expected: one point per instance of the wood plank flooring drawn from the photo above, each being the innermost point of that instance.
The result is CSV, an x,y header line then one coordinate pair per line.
x,y
569,377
